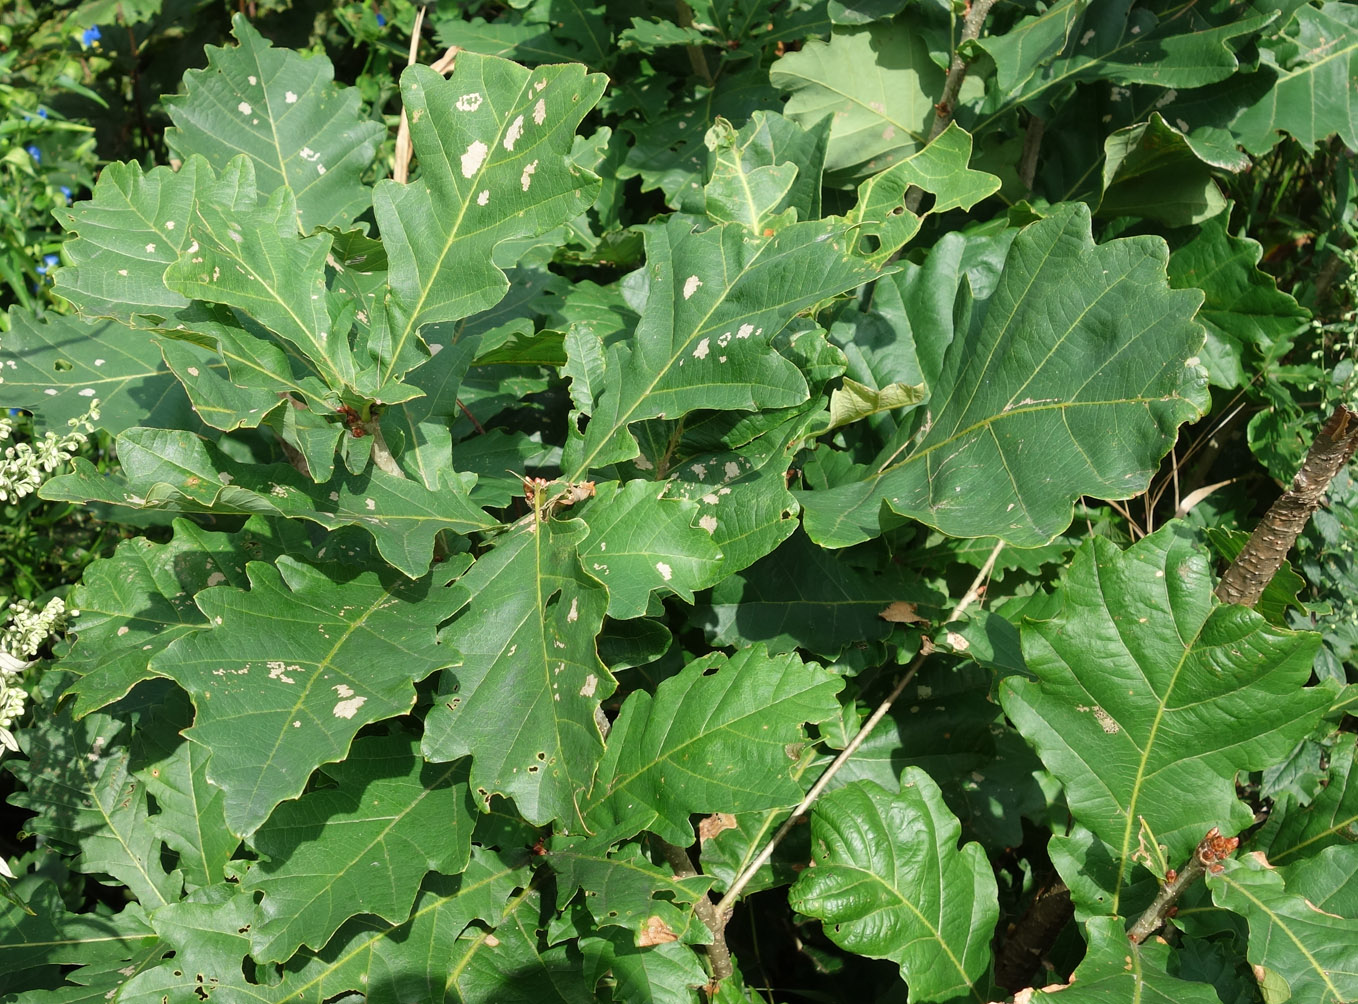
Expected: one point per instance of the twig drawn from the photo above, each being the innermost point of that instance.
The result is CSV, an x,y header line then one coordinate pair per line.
x,y
696,57
1206,857
1263,554
1032,143
952,86
718,955
1033,936
480,430
799,813
400,168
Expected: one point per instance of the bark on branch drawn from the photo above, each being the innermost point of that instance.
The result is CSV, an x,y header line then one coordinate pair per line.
x,y
952,86
1245,580
1206,857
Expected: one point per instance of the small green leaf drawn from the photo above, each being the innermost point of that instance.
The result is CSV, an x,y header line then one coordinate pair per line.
x,y
1113,969
1151,170
1301,942
623,888
881,106
722,736
889,882
640,544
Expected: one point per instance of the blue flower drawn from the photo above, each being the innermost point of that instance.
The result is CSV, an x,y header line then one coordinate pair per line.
x,y
35,153
14,411
65,191
51,259
90,35
381,20
42,112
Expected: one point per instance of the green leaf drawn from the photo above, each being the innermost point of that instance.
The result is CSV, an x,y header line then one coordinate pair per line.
x,y
59,367
135,227
288,672
888,882
623,888
714,301
191,819
940,168
641,544
79,781
522,702
1082,354
1076,40
135,603
881,106
180,472
1151,170
287,115
494,147
1146,687
1311,98
769,165
42,935
247,260
668,150
722,736
853,402
1299,942
360,847
1244,311
801,596
666,973
1114,969
1331,818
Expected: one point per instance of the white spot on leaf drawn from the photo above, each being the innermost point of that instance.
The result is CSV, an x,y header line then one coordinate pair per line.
x,y
591,682
349,708
708,522
474,158
515,131
290,98
691,285
540,111
483,197
469,102
244,108
701,351
665,571
573,614
526,178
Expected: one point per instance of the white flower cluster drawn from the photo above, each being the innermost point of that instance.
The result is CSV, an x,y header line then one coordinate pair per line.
x,y
25,630
25,466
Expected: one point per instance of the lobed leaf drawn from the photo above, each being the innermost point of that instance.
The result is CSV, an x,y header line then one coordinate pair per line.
x,y
523,699
721,736
286,114
1070,380
1146,687
889,883
287,673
